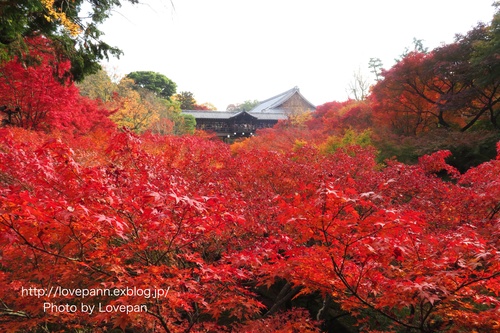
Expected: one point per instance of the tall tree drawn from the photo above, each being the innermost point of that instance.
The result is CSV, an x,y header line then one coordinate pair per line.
x,y
476,92
487,50
375,65
452,86
186,100
484,61
404,99
155,82
75,37
98,86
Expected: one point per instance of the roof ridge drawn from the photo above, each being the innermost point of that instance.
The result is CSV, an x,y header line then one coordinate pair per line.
x,y
274,101
283,93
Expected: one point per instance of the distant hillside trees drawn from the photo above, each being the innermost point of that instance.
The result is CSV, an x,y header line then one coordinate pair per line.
x,y
245,106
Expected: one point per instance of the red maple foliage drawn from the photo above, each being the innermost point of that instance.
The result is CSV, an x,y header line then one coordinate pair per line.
x,y
42,96
335,117
445,88
296,230
134,223
234,241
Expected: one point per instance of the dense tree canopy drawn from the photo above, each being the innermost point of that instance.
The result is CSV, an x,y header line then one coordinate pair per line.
x,y
42,97
454,85
136,110
75,33
157,83
98,86
237,242
186,100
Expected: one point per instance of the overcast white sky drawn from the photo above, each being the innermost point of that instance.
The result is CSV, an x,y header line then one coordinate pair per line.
x,y
229,51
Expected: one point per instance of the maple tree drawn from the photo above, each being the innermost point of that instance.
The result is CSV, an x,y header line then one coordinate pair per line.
x,y
379,244
282,138
428,95
42,96
241,239
482,96
486,49
326,115
404,99
161,239
451,86
336,117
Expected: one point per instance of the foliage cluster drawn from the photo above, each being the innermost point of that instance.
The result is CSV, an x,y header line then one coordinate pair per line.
x,y
454,86
43,96
257,240
72,27
188,102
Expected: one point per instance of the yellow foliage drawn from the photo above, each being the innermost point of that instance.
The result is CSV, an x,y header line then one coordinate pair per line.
x,y
299,119
299,144
350,138
135,112
53,14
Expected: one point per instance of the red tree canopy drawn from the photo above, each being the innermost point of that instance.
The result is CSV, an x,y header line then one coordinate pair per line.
x,y
43,97
228,242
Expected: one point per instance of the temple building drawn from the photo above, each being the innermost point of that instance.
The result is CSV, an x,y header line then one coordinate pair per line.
x,y
229,125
